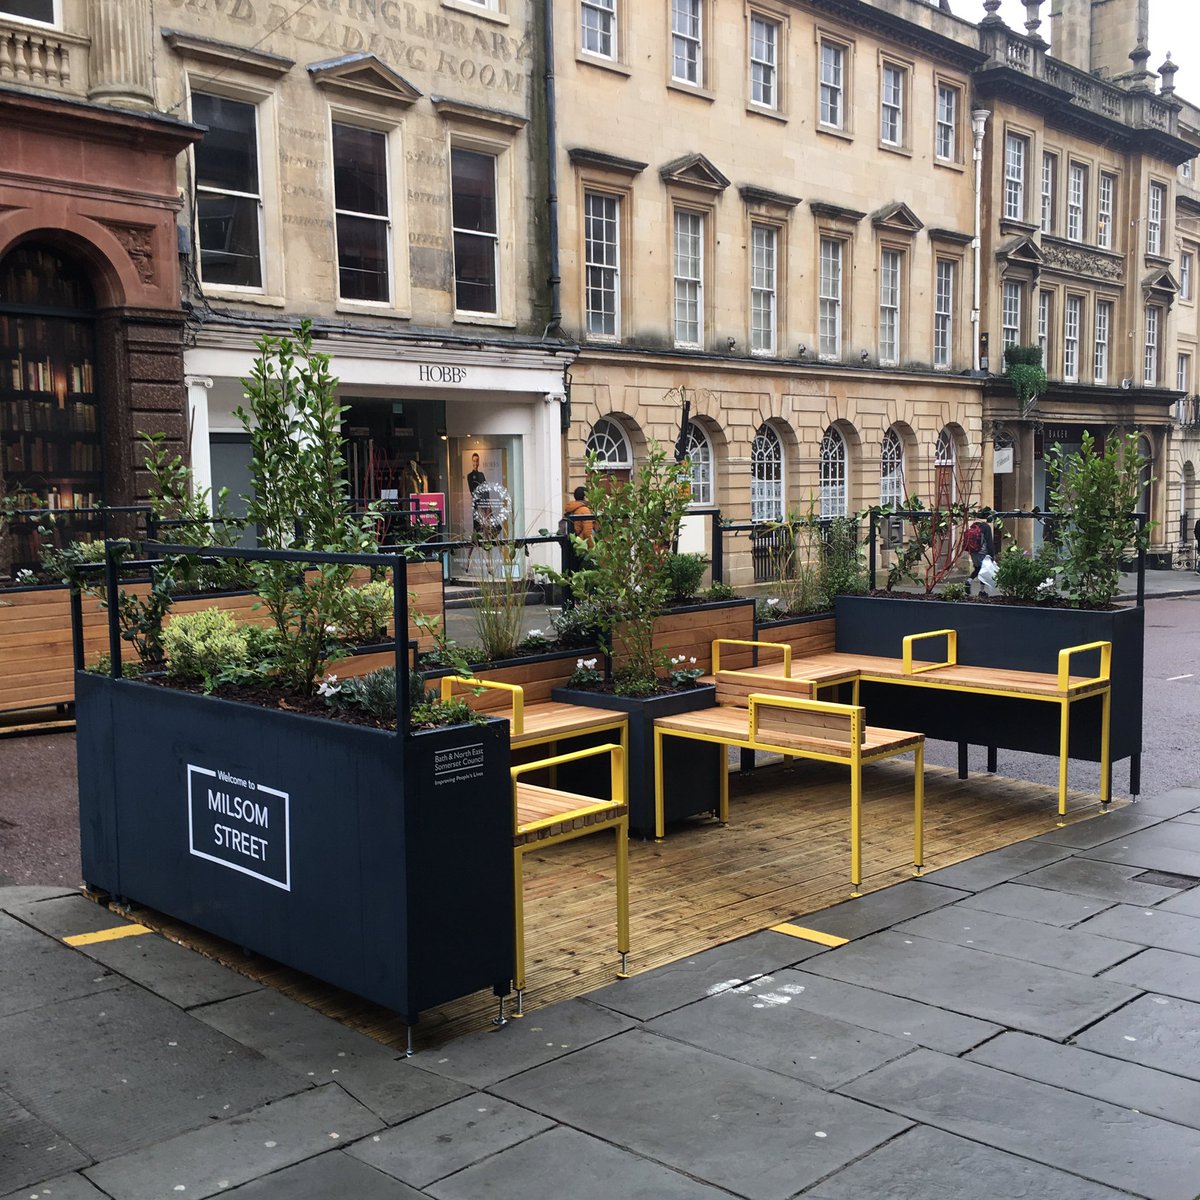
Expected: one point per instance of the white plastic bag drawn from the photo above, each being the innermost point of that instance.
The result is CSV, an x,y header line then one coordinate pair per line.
x,y
987,575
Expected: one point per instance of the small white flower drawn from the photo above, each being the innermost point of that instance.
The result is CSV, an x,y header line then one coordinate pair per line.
x,y
692,660
590,664
331,629
535,633
772,601
329,686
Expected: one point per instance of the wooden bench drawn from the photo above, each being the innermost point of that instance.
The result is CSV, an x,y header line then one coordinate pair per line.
x,y
544,816
542,723
1061,688
795,726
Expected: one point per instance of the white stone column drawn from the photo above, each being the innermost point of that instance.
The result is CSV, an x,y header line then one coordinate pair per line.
x,y
120,62
198,443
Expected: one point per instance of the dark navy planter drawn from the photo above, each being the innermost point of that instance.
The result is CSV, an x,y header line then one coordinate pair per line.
x,y
378,863
691,782
1020,637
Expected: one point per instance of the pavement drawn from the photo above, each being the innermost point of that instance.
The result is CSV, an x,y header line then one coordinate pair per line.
x,y
1024,1023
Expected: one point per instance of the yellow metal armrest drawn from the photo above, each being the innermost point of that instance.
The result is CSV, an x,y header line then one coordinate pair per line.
x,y
517,692
719,642
618,789
951,636
759,700
1064,664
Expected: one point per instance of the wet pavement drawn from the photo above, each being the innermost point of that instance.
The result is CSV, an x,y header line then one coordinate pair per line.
x,y
1025,1023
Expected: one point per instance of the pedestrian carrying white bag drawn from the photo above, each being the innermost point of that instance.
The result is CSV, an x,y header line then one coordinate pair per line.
x,y
987,575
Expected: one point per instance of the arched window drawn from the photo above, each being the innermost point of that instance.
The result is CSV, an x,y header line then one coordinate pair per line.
x,y
610,444
700,460
833,474
766,476
945,461
891,470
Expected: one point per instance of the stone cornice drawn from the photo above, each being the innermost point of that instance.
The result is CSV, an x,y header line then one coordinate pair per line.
x,y
226,54
445,106
581,156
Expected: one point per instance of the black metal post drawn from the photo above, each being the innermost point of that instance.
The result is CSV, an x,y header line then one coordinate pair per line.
x,y
871,549
400,636
718,549
77,626
112,589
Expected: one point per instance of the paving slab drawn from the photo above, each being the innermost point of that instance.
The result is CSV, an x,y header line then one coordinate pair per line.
x,y
1188,818
1021,995
1163,971
1103,880
570,1165
1172,803
1173,847
655,992
62,1187
1014,937
332,1176
30,1149
169,970
217,1157
752,1131
429,1148
935,1165
1099,1141
484,1058
314,1046
35,971
916,1023
395,1090
1035,904
1148,927
19,895
1101,828
125,1069
1156,1031
65,916
757,1023
880,910
1187,903
998,866
1129,1085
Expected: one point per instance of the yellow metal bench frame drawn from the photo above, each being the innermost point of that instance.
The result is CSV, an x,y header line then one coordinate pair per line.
x,y
615,816
854,757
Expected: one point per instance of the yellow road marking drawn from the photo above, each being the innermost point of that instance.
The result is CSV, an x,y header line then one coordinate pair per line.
x,y
809,935
106,935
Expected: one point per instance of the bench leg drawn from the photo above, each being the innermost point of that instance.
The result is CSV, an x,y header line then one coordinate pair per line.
x,y
519,908
918,809
1135,775
623,896
723,793
855,827
962,760
1064,741
1106,751
659,810
991,760
746,762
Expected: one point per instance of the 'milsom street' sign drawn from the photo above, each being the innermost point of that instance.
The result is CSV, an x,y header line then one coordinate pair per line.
x,y
240,824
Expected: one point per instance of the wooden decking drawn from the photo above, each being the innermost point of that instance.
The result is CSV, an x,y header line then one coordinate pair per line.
x,y
784,855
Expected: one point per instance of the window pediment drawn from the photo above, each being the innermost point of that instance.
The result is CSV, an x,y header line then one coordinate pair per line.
x,y
226,54
581,156
1161,287
1021,251
765,198
898,218
694,170
366,74
497,118
835,212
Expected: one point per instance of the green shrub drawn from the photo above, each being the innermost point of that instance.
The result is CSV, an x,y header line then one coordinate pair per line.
x,y
954,592
375,694
1026,374
205,646
367,611
845,573
1026,577
718,591
684,573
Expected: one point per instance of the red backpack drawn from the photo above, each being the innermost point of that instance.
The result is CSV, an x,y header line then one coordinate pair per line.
x,y
973,539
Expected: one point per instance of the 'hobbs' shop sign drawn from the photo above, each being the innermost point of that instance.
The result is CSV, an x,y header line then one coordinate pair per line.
x,y
240,824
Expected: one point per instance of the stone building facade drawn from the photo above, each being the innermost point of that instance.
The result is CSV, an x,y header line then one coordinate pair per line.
x,y
1080,192
770,205
91,329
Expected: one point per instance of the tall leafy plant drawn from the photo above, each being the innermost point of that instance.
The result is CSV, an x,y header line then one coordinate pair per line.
x,y
627,580
300,499
1094,494
1023,366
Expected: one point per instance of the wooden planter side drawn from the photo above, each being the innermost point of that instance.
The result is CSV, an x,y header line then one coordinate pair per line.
x,y
691,631
805,635
36,657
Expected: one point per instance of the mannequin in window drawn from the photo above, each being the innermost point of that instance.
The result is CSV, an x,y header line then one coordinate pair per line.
x,y
475,477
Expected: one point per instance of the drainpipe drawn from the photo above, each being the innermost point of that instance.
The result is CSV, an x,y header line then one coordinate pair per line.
x,y
978,122
552,170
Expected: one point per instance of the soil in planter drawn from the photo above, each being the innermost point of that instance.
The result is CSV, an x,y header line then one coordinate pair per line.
x,y
1010,601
